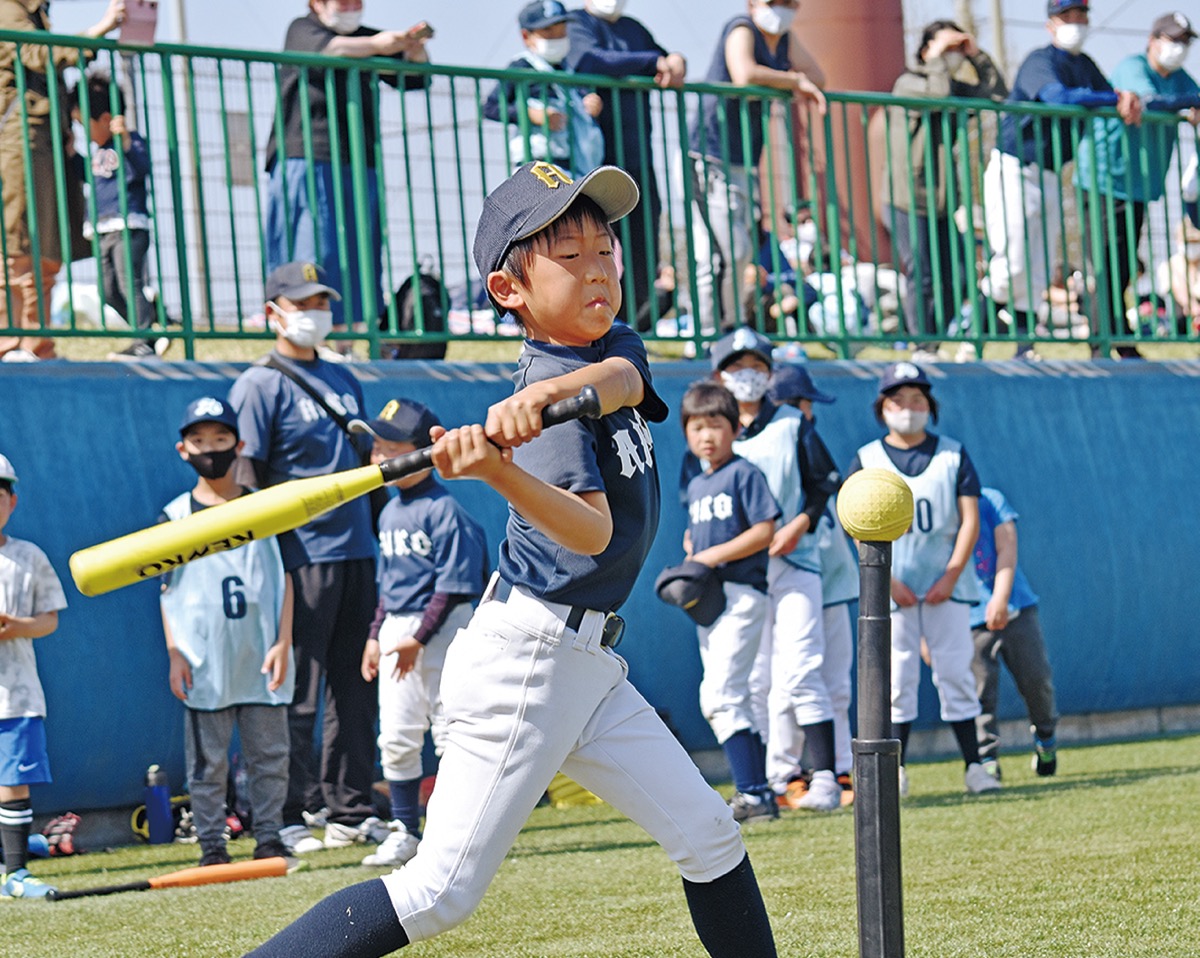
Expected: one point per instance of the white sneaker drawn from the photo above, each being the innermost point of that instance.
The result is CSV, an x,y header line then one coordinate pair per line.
x,y
966,353
397,849
298,840
19,356
903,783
317,819
926,356
371,831
978,780
824,793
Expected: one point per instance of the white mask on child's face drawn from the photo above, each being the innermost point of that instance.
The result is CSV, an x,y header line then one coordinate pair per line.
x,y
306,328
552,50
1070,36
906,422
747,385
608,9
344,22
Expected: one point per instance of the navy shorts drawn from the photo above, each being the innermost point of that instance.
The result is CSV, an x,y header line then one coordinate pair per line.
x,y
23,758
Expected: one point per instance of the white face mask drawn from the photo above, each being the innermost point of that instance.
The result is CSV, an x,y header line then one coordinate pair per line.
x,y
608,9
905,422
1070,36
1171,55
306,328
552,51
773,20
747,385
343,21
954,61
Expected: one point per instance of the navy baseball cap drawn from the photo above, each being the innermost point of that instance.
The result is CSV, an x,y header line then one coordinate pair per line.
x,y
790,381
1055,7
208,409
541,14
903,374
742,340
534,197
299,281
693,587
401,420
1174,26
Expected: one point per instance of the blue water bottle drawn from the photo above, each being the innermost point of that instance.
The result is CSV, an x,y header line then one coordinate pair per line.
x,y
158,807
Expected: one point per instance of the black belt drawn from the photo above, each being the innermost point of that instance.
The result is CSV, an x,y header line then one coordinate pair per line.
x,y
614,625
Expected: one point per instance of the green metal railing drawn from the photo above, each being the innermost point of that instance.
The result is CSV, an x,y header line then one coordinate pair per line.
x,y
206,114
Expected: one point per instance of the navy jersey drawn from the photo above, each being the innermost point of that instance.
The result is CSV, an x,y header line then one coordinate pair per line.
x,y
286,428
1051,75
428,543
721,506
613,455
708,135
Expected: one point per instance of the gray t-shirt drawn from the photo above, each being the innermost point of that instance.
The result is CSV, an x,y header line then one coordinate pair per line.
x,y
28,586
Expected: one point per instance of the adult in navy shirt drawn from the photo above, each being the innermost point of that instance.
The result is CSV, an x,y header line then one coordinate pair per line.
x,y
294,229
754,50
1021,185
289,434
607,43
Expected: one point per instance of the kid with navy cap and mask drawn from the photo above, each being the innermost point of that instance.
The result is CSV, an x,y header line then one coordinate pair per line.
x,y
227,619
432,566
533,685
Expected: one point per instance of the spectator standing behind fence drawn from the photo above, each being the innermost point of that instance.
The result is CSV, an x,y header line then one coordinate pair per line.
x,y
920,220
561,119
123,276
1006,626
30,269
1130,165
1021,189
755,49
295,230
1179,278
294,413
605,42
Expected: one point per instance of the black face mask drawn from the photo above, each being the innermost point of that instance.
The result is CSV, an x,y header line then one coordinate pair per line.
x,y
212,465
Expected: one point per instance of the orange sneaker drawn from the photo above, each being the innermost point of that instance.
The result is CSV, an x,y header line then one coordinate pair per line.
x,y
797,788
847,789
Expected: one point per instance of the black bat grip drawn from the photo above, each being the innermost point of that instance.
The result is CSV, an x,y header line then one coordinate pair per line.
x,y
586,405
60,895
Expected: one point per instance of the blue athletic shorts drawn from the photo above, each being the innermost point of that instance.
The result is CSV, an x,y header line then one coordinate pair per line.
x,y
23,758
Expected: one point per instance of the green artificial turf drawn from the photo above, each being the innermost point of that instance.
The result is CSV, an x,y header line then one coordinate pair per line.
x,y
1098,861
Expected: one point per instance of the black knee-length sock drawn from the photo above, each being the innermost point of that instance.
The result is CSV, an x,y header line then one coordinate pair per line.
x,y
356,922
730,916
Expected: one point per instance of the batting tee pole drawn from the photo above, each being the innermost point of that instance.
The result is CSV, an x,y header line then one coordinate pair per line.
x,y
876,765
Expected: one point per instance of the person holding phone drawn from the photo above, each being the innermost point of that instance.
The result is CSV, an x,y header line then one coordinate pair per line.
x,y
296,230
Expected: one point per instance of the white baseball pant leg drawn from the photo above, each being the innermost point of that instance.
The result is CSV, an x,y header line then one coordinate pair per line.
x,y
525,697
727,653
947,630
1023,220
409,706
839,659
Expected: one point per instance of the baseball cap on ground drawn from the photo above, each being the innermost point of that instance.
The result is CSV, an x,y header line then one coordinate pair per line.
x,y
401,420
1173,26
1055,7
790,381
299,281
695,588
208,409
904,374
742,340
6,469
534,197
541,14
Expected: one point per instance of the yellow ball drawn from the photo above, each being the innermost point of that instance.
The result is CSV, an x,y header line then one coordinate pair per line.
x,y
875,505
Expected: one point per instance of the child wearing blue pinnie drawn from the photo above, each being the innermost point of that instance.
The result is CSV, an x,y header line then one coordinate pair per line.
x,y
227,619
30,599
533,684
431,571
731,520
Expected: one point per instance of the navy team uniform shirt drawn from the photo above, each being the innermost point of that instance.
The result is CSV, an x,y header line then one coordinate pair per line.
x,y
913,462
1051,75
613,455
284,427
721,506
428,543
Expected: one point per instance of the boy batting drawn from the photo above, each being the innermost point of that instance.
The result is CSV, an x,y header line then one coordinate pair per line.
x,y
532,684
